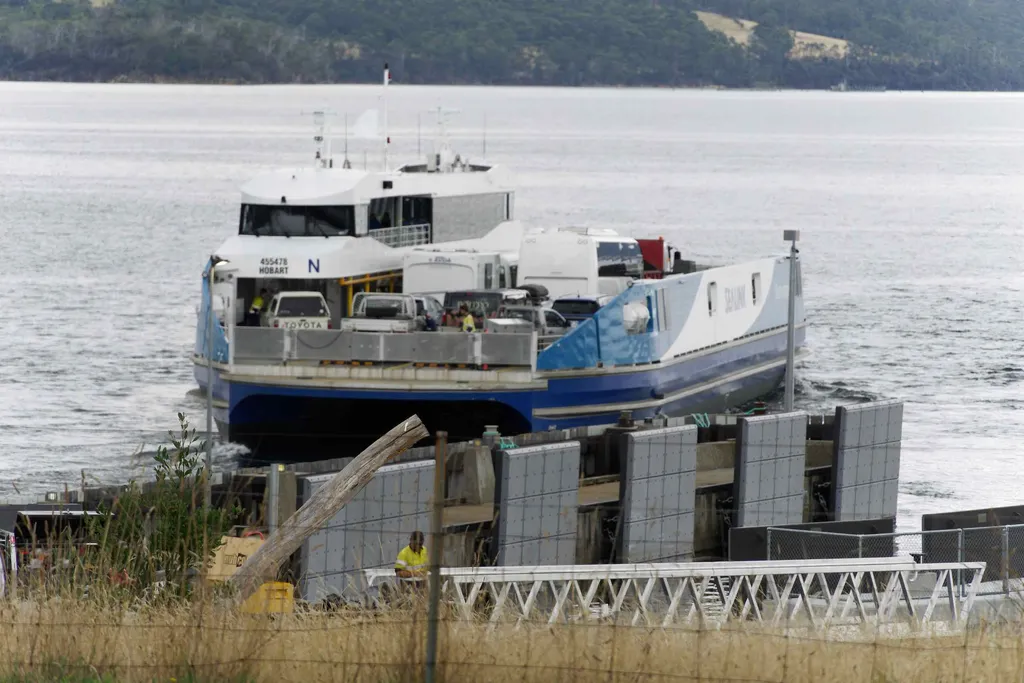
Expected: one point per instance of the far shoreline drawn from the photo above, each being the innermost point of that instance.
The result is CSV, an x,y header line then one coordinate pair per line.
x,y
595,86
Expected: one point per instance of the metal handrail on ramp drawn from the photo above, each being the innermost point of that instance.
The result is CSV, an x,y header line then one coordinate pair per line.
x,y
805,593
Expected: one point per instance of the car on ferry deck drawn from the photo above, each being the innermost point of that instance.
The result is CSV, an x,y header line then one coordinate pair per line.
x,y
576,309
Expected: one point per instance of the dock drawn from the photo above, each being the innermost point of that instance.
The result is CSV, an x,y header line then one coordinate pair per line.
x,y
658,490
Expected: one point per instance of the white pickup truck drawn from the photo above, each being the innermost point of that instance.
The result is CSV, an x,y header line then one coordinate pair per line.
x,y
382,312
297,311
546,321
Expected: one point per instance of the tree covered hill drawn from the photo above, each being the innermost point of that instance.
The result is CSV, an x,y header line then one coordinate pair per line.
x,y
921,44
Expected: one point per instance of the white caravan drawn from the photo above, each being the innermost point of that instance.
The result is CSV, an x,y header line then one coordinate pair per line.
x,y
488,262
574,261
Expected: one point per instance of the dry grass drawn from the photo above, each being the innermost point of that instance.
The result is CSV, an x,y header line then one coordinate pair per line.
x,y
71,639
806,45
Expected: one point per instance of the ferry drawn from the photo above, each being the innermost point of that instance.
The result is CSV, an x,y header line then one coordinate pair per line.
x,y
674,338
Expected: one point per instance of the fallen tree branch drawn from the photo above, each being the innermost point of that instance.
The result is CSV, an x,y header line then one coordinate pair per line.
x,y
264,564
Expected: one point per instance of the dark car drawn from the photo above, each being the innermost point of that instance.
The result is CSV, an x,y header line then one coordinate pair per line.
x,y
576,309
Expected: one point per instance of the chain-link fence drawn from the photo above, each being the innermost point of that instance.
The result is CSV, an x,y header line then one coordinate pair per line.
x,y
1001,548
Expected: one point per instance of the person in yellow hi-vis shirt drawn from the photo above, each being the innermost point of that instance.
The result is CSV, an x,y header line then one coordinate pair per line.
x,y
411,565
466,322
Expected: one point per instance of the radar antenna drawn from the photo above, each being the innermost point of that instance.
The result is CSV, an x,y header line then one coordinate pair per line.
x,y
443,159
321,138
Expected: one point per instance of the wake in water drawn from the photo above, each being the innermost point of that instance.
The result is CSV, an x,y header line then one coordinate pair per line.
x,y
928,489
814,396
831,394
1001,374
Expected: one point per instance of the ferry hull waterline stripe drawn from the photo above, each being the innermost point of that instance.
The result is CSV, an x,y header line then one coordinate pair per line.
x,y
714,339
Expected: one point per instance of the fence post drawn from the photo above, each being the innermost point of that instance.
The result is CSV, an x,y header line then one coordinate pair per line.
x,y
960,555
272,500
436,548
860,546
1005,568
3,569
768,542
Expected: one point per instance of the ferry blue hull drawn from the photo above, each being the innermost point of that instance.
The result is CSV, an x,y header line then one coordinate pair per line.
x,y
300,423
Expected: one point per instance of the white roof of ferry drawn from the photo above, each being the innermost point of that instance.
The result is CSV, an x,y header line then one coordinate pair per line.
x,y
599,234
341,186
335,257
507,236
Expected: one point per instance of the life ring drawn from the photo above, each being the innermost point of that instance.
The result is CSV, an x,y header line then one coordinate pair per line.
x,y
253,532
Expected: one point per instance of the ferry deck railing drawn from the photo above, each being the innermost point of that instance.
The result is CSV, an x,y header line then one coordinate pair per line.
x,y
815,594
403,235
265,345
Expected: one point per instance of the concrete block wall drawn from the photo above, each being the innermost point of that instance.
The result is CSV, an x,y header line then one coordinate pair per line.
x,y
536,501
658,494
770,469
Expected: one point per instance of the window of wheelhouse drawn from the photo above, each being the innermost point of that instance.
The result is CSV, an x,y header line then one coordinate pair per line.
x,y
417,210
297,221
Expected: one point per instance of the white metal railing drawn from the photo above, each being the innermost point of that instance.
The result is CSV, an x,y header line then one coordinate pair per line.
x,y
266,345
403,235
805,593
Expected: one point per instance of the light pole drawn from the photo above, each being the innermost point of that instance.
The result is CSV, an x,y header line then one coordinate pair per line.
x,y
210,320
791,236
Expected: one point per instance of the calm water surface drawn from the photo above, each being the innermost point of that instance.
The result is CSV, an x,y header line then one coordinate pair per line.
x,y
910,206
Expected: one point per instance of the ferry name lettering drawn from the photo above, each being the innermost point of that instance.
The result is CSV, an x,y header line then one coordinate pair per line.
x,y
273,266
735,298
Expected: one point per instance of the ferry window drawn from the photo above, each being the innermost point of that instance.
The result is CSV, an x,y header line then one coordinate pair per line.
x,y
296,221
416,210
755,285
508,206
712,298
619,259
501,277
488,275
513,275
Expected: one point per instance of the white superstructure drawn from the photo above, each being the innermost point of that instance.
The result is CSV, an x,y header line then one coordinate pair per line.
x,y
337,230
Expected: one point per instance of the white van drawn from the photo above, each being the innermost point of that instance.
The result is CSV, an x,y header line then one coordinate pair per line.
x,y
297,311
435,271
574,261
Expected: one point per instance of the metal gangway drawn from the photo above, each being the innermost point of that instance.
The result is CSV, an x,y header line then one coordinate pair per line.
x,y
804,593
